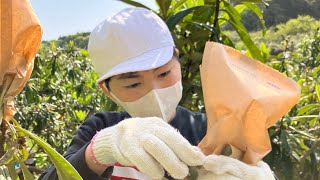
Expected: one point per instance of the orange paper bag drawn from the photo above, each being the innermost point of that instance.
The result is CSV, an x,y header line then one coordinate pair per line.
x,y
243,98
20,35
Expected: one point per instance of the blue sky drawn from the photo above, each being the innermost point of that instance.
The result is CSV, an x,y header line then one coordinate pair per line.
x,y
64,17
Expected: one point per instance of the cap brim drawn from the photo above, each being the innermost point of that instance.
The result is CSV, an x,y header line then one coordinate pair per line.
x,y
146,61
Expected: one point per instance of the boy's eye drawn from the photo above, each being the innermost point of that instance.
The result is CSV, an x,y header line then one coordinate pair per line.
x,y
132,85
164,74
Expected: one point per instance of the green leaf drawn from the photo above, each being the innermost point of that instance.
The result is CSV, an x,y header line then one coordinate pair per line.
x,y
24,154
258,12
224,17
264,48
179,4
192,3
134,3
315,72
318,91
246,39
164,6
233,12
235,21
64,169
306,108
84,53
214,30
256,1
176,18
313,122
226,40
81,115
202,15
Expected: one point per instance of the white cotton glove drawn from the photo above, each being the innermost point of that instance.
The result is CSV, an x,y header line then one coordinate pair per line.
x,y
150,144
227,168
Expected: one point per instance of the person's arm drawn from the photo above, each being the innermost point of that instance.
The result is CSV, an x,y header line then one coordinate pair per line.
x,y
76,153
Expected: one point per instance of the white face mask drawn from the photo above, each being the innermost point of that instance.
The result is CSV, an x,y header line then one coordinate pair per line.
x,y
160,103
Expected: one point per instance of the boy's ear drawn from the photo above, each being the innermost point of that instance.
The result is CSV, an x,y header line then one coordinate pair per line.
x,y
105,90
177,52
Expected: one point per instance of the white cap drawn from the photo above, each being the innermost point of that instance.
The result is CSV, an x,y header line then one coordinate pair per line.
x,y
134,39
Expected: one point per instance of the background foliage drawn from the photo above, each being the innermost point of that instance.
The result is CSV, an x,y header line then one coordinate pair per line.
x,y
62,93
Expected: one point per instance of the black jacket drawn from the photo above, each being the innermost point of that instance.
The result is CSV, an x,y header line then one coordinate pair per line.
x,y
190,124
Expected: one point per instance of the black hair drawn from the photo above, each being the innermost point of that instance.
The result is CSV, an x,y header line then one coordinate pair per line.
x,y
175,54
106,82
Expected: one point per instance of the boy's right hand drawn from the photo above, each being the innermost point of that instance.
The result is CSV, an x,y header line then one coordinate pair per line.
x,y
150,144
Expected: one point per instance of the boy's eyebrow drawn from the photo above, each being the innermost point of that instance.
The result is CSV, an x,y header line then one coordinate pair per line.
x,y
159,67
129,75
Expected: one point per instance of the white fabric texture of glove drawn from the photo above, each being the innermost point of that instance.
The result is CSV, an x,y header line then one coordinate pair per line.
x,y
219,167
150,144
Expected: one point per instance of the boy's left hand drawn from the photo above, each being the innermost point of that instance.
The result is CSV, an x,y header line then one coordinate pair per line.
x,y
226,168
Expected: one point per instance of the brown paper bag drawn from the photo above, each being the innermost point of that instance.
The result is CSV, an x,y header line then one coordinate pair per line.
x,y
243,98
20,35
